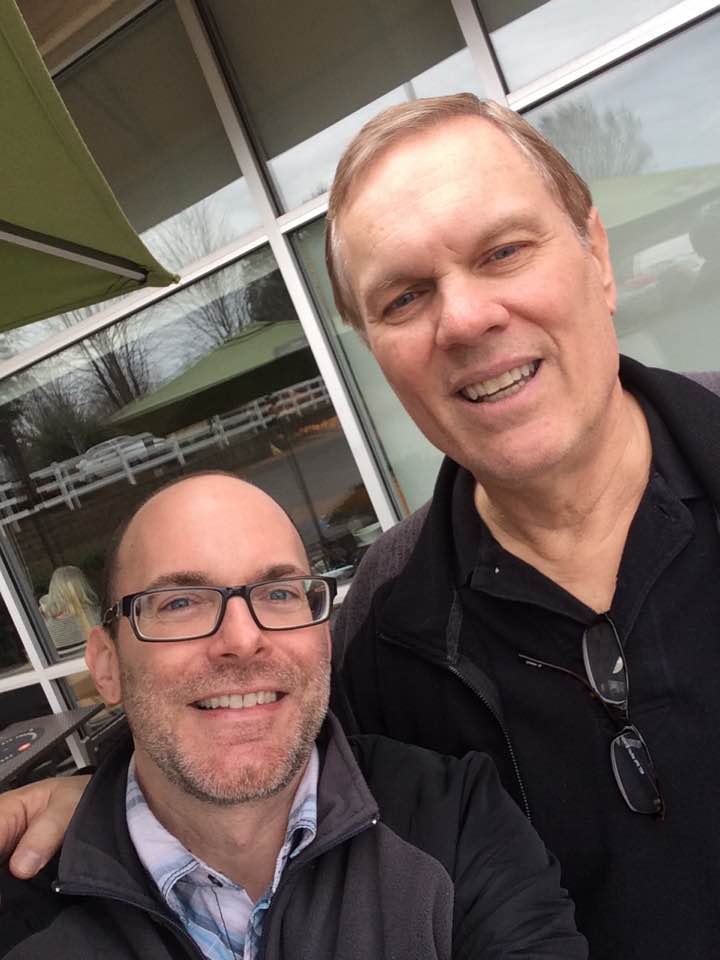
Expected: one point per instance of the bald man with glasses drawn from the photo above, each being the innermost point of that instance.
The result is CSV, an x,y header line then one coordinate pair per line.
x,y
241,822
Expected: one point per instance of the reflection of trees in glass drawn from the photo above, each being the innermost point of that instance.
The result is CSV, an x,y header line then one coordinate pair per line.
x,y
60,407
250,290
118,369
57,423
598,144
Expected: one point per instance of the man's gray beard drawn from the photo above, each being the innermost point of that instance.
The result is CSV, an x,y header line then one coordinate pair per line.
x,y
165,752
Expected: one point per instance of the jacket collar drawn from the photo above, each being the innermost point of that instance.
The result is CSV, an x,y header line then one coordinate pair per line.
x,y
691,413
422,611
98,856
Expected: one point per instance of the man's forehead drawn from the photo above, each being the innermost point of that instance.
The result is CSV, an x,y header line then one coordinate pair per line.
x,y
206,523
444,143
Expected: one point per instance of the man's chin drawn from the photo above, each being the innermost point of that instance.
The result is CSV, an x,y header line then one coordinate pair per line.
x,y
227,781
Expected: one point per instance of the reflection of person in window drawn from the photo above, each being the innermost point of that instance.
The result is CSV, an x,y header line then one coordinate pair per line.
x,y
70,608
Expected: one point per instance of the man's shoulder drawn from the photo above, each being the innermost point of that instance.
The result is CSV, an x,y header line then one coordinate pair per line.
x,y
410,782
390,552
710,379
637,375
385,559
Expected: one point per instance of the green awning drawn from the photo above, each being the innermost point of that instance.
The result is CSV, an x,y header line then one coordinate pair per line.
x,y
624,200
64,241
254,347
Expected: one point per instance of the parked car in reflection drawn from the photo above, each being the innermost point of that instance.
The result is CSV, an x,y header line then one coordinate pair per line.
x,y
112,455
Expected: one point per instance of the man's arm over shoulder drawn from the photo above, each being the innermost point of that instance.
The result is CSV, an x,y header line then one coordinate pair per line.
x,y
508,898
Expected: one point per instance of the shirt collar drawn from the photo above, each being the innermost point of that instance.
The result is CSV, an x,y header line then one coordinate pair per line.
x,y
473,540
167,860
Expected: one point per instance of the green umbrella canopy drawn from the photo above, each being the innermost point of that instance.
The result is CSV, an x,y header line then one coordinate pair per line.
x,y
64,241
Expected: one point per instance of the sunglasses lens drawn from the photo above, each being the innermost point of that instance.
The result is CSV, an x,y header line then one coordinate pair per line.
x,y
604,663
634,772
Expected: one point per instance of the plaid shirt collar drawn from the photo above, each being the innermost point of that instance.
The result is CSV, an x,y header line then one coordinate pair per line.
x,y
217,913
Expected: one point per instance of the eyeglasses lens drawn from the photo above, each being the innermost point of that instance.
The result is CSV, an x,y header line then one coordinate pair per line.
x,y
288,604
605,663
634,772
177,613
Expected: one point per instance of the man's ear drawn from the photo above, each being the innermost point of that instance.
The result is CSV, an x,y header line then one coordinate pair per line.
x,y
600,252
102,660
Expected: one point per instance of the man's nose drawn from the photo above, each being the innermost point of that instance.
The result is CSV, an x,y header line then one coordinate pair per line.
x,y
469,309
238,635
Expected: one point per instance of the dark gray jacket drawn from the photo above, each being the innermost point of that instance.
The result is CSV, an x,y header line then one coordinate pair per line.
x,y
416,857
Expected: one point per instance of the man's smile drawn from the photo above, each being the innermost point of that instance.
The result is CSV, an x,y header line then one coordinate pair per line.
x,y
503,385
239,701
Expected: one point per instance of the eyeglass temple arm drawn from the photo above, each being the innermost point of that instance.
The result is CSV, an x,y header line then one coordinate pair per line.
x,y
112,613
539,664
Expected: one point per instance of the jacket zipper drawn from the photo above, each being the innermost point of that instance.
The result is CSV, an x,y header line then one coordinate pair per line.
x,y
159,917
506,735
483,699
292,868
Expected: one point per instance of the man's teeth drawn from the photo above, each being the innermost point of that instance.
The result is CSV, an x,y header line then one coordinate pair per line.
x,y
236,701
504,385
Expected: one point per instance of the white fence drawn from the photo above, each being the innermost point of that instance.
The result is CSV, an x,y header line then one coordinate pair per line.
x,y
66,482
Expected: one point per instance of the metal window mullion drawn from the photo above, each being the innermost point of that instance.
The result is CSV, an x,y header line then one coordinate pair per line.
x,y
480,50
633,41
38,665
344,408
252,171
55,671
312,210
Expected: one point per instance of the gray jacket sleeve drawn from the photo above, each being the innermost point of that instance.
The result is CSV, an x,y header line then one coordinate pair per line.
x,y
383,561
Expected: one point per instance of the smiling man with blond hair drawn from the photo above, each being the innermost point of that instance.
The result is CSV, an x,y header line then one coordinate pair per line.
x,y
555,604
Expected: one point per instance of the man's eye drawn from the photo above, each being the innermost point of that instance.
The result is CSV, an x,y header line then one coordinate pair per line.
x,y
281,595
178,603
404,300
503,253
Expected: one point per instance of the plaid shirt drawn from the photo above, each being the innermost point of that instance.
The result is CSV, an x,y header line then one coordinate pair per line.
x,y
217,913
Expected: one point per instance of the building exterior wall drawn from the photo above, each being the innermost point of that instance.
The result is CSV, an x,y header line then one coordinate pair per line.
x,y
218,126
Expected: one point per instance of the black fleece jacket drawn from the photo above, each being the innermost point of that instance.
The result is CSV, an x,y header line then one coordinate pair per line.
x,y
416,857
409,661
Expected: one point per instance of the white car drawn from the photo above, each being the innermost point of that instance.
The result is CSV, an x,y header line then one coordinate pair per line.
x,y
112,455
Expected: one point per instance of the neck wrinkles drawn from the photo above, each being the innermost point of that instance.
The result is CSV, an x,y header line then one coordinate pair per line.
x,y
582,503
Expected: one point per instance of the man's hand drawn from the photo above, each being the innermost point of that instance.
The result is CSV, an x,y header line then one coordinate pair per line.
x,y
33,821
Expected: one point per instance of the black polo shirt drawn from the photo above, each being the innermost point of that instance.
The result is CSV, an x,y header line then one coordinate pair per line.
x,y
666,609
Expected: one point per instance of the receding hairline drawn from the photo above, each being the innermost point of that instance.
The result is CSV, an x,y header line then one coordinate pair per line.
x,y
394,126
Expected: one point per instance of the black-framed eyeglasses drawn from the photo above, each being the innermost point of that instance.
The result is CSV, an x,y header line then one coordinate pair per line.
x,y
607,678
168,614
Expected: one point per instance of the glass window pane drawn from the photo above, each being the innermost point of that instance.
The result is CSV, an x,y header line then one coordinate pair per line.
x,y
62,29
146,115
532,37
310,74
646,136
25,703
144,110
411,461
13,658
217,376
